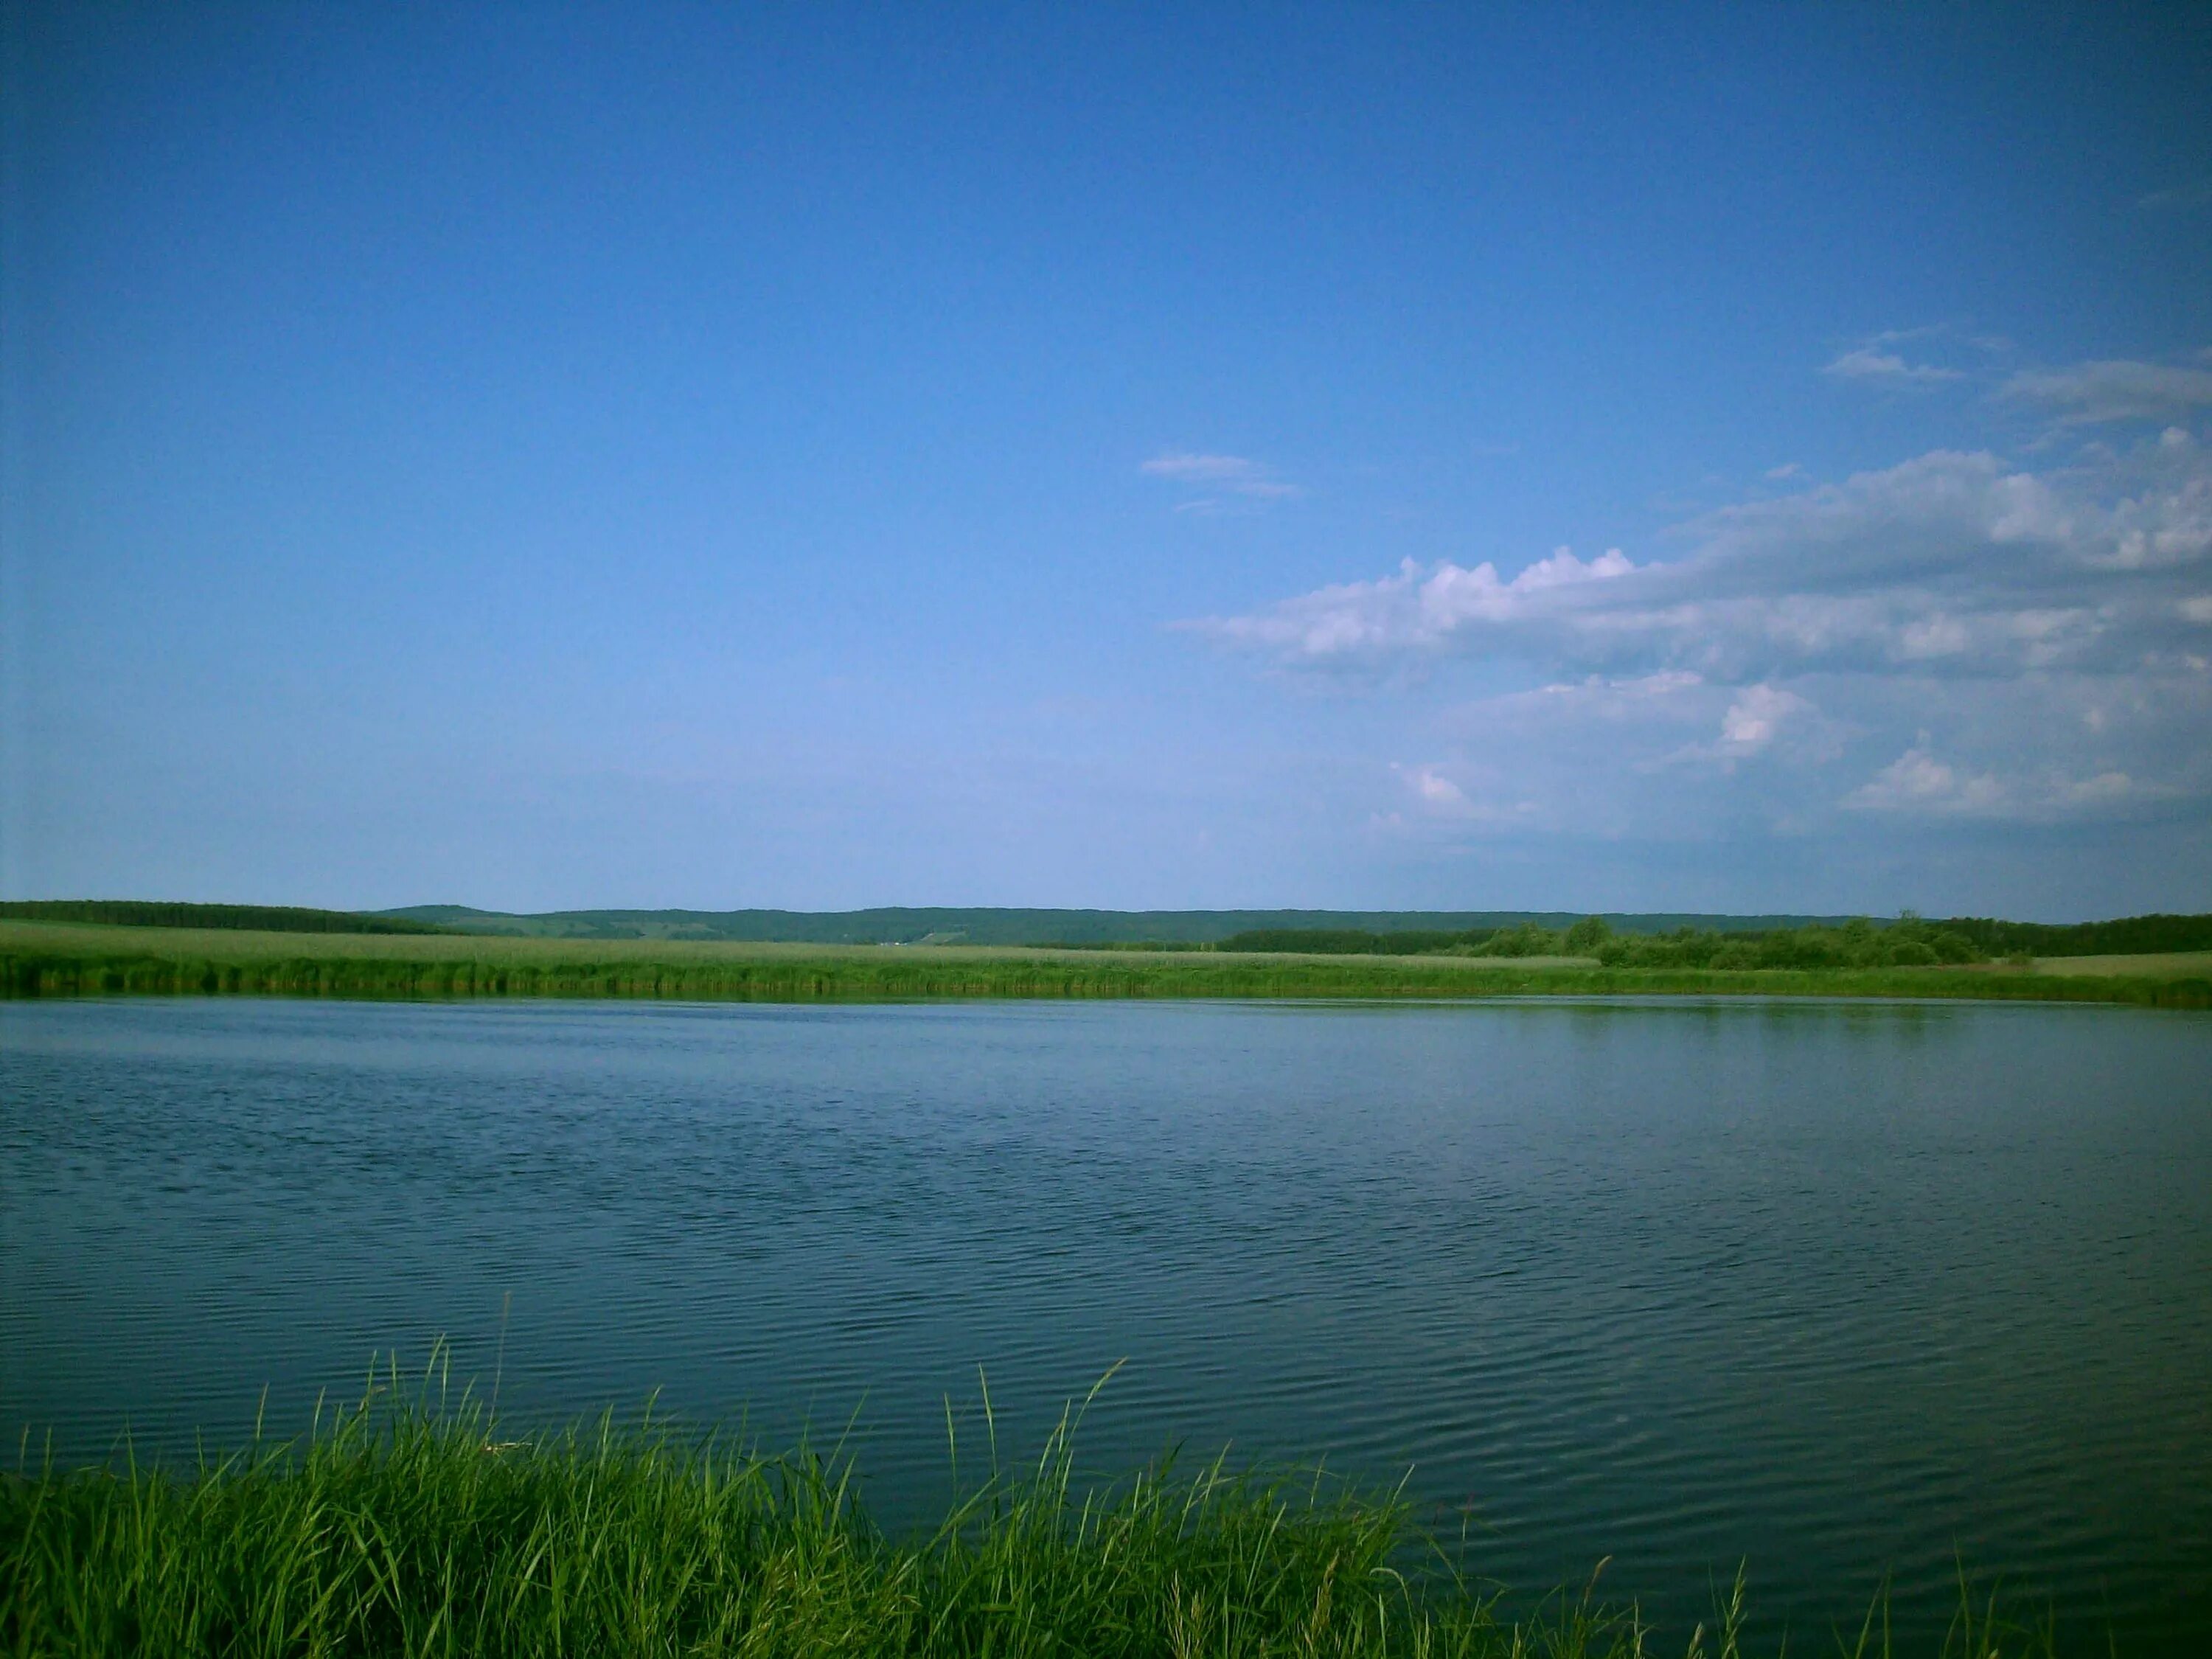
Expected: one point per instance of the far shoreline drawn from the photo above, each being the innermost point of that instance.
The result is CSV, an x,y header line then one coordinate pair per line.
x,y
51,959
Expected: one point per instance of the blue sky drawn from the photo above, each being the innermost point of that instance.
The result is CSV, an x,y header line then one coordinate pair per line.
x,y
823,456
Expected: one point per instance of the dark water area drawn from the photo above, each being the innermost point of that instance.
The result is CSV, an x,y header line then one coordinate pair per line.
x,y
1841,1291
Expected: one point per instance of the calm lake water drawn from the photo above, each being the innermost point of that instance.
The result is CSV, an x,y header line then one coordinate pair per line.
x,y
1841,1291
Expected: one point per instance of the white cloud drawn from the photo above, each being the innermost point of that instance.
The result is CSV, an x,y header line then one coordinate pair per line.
x,y
1916,781
2091,393
1787,470
2040,629
1437,789
1200,469
1755,718
1420,608
2105,787
1441,800
1233,475
1870,364
1762,722
1952,562
2179,197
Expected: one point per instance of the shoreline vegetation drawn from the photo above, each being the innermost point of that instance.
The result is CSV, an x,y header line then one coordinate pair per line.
x,y
51,959
1645,939
403,1525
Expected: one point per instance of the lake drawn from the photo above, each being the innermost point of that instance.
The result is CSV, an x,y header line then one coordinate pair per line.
x,y
1840,1291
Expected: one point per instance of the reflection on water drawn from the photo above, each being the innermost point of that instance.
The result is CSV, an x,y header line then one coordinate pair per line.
x,y
1836,1288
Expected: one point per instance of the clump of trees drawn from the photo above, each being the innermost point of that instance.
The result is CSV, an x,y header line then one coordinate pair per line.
x,y
1344,941
1908,942
1524,940
2126,936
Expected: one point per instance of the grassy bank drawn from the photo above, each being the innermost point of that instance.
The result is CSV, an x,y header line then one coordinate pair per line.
x,y
38,959
401,1529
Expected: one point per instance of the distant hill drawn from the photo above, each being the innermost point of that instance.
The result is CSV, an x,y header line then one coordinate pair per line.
x,y
1308,930
257,918
900,925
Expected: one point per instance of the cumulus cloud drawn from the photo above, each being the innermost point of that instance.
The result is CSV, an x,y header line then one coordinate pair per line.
x,y
1953,638
2092,393
1420,608
1952,564
1916,781
1217,475
1756,717
1436,789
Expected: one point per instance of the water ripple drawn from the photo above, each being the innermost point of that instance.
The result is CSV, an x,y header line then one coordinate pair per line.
x,y
1838,1291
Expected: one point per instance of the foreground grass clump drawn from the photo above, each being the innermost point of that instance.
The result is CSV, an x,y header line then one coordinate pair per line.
x,y
410,1531
400,1528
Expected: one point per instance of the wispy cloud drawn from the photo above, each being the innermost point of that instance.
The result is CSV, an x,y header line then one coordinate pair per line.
x,y
2179,199
2117,390
1870,365
1418,609
1219,476
1437,796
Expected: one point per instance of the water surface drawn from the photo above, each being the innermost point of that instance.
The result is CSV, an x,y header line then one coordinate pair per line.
x,y
1838,1290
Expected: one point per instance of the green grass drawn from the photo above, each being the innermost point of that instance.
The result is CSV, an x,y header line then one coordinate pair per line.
x,y
2170,964
400,1527
47,960
43,959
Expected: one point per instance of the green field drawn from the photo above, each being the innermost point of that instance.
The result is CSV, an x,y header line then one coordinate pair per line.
x,y
51,959
401,1527
2174,964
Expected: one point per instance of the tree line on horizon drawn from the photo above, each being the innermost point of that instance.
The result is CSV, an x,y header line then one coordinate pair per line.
x,y
251,918
1908,940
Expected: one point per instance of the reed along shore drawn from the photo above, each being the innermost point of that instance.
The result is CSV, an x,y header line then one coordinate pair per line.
x,y
40,959
399,1525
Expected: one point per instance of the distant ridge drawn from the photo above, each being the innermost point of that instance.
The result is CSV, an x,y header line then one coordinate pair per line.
x,y
904,925
984,924
900,925
250,918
